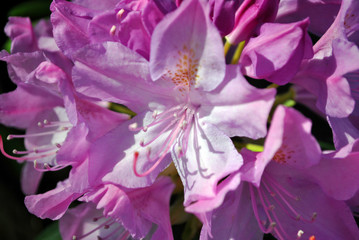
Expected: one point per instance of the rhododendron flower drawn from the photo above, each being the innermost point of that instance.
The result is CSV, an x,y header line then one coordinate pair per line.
x,y
250,16
126,212
277,186
334,56
180,96
261,59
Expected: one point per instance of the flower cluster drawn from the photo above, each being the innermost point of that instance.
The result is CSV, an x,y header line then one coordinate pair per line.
x,y
130,95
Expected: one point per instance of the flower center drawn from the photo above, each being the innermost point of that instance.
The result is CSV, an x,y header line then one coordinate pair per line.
x,y
184,75
176,124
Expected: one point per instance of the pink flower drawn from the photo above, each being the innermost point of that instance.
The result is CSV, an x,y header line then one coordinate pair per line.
x,y
180,96
277,185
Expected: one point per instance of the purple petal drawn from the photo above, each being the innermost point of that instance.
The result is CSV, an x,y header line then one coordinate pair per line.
x,y
14,111
337,174
239,102
250,16
70,23
223,14
234,219
52,204
309,201
30,178
112,72
188,33
321,13
137,209
261,58
289,143
21,34
324,77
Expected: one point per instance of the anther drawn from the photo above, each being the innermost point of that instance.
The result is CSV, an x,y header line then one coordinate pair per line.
x,y
312,237
9,137
154,114
179,150
14,151
145,129
133,126
120,13
113,30
39,124
46,121
297,217
58,145
175,115
300,233
74,237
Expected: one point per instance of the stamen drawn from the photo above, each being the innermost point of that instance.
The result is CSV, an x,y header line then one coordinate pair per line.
x,y
11,136
22,158
113,30
142,144
47,167
120,13
41,149
272,181
255,211
108,222
116,230
133,127
300,234
162,153
287,204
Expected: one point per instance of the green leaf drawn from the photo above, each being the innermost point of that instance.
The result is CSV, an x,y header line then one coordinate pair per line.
x,y
50,233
